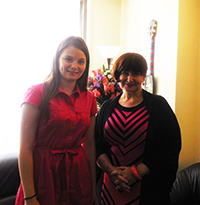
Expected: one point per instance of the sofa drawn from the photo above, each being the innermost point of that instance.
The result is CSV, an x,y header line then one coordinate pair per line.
x,y
9,178
186,187
185,190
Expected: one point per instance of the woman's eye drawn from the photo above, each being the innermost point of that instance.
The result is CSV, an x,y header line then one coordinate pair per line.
x,y
81,62
136,74
68,59
124,73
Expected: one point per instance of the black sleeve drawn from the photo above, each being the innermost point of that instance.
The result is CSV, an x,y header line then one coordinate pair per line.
x,y
163,145
102,146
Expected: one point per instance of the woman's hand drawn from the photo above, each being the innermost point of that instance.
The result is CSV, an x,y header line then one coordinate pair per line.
x,y
114,173
119,180
127,174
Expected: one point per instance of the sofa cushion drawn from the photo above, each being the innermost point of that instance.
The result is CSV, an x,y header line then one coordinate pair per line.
x,y
9,175
186,188
8,200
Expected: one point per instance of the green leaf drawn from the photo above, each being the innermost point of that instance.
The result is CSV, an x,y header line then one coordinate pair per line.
x,y
104,69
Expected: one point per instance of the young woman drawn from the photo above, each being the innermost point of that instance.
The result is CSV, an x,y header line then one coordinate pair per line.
x,y
57,151
138,140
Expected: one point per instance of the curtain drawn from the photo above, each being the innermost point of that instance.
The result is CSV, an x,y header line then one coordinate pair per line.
x,y
30,33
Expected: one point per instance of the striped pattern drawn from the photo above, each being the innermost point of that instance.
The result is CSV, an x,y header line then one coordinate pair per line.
x,y
152,55
125,130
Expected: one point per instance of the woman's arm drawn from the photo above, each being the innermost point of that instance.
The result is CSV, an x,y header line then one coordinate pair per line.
x,y
89,146
120,182
163,143
127,173
29,122
104,163
142,169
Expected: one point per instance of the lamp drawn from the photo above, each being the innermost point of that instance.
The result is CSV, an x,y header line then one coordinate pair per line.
x,y
109,52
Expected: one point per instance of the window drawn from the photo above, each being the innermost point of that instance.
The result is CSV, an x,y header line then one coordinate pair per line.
x,y
30,34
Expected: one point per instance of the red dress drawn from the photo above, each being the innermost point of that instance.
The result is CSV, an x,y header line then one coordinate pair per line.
x,y
61,170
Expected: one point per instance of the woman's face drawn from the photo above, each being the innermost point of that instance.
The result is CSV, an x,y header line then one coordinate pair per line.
x,y
131,82
72,64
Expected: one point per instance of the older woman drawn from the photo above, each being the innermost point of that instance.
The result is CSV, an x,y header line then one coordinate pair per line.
x,y
137,140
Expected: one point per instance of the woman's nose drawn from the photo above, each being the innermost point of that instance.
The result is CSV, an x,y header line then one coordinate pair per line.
x,y
74,64
130,78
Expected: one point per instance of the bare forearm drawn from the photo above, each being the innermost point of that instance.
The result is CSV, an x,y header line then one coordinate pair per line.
x,y
26,172
142,169
104,163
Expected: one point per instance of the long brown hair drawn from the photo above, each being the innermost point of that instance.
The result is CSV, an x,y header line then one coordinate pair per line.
x,y
52,81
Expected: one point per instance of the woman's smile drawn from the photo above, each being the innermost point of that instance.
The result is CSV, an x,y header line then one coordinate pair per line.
x,y
129,84
72,72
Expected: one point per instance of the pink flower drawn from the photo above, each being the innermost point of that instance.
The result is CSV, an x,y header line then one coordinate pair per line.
x,y
94,81
106,87
112,96
105,80
94,72
99,71
112,88
90,79
96,93
102,85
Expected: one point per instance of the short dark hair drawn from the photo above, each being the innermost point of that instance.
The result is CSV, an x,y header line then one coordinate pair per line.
x,y
129,62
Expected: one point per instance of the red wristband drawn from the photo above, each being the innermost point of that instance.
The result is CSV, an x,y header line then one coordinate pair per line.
x,y
135,173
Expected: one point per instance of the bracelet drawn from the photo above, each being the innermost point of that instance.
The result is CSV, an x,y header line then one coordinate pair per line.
x,y
135,173
27,198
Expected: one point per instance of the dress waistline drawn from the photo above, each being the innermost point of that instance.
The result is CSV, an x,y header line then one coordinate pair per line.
x,y
72,151
66,154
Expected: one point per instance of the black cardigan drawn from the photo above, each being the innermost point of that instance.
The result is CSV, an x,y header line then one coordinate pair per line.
x,y
163,145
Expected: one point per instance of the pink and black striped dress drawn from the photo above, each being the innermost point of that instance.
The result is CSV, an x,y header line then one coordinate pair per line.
x,y
125,130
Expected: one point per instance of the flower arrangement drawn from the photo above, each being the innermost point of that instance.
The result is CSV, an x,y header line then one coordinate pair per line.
x,y
102,85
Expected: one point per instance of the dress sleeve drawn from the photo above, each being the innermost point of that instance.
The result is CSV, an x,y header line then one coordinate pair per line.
x,y
34,95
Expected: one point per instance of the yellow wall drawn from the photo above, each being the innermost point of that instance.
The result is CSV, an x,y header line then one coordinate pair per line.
x,y
198,93
188,80
136,16
104,26
125,23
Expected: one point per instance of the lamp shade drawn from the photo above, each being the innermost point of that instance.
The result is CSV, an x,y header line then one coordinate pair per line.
x,y
109,51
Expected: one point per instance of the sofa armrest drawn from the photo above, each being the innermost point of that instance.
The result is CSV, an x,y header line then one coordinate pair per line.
x,y
9,175
186,188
